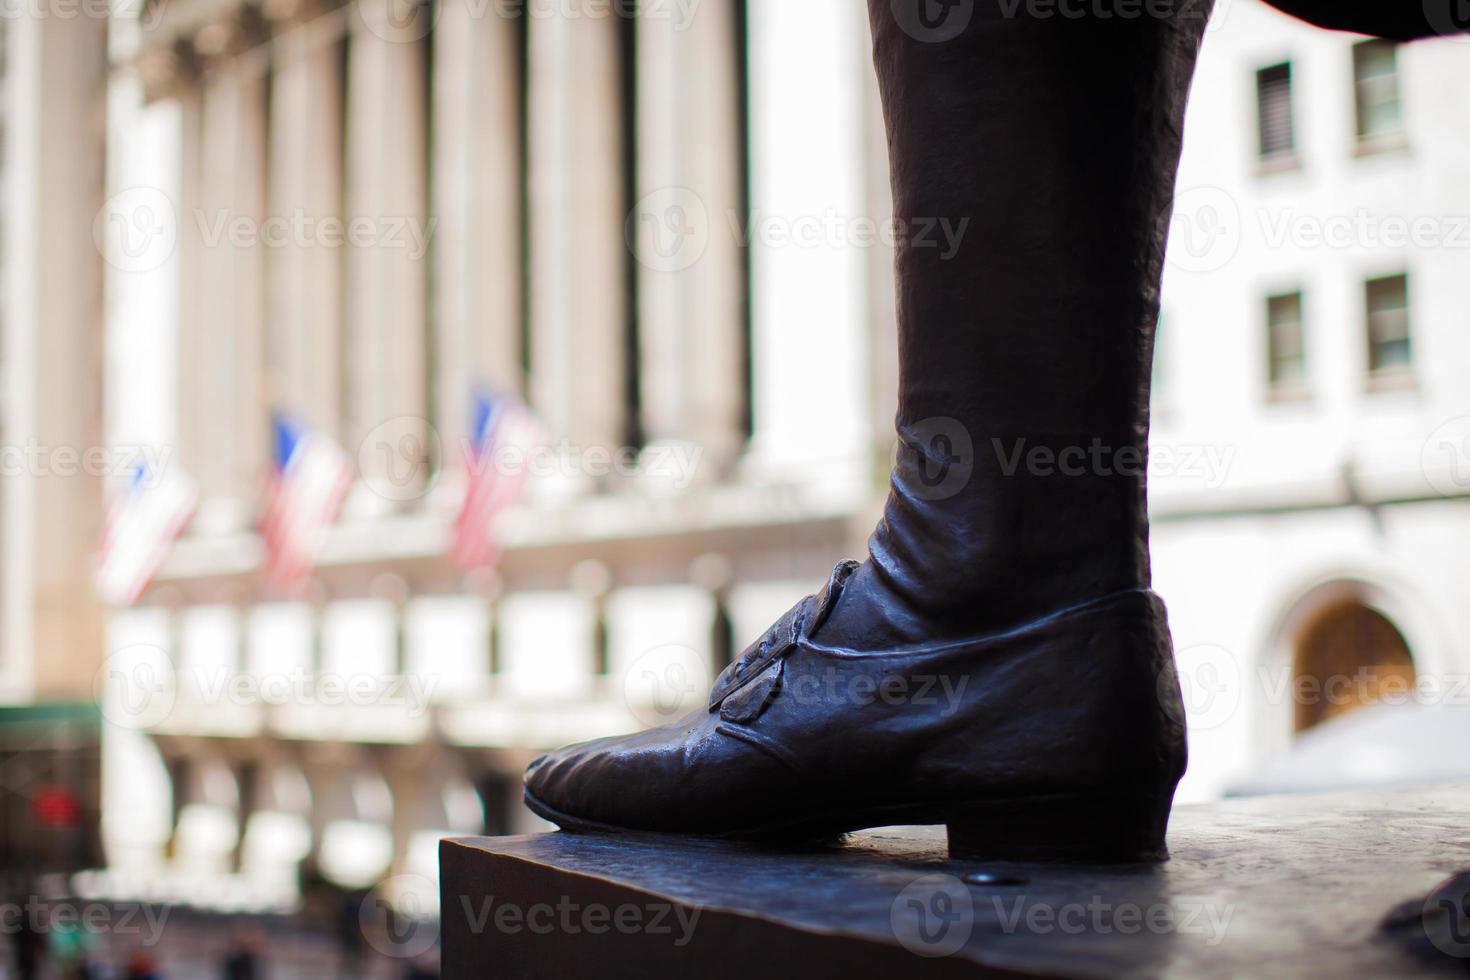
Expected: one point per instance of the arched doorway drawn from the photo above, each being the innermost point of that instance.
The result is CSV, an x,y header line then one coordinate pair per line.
x,y
1347,656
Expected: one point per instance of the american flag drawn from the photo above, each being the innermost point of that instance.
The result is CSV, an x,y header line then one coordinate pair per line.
x,y
310,477
141,525
496,477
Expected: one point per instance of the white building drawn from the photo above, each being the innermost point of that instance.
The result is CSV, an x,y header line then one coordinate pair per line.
x,y
501,159
1311,418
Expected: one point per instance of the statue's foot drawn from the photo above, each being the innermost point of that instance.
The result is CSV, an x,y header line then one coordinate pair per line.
x,y
1060,740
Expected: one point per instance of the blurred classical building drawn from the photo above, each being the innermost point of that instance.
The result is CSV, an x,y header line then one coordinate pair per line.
x,y
549,199
670,233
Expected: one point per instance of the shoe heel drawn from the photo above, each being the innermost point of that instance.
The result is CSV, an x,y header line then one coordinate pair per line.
x,y
1102,828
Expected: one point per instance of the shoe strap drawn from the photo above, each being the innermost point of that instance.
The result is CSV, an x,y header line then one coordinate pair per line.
x,y
797,624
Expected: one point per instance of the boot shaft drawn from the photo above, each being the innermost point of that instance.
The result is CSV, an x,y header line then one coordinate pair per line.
x,y
1025,353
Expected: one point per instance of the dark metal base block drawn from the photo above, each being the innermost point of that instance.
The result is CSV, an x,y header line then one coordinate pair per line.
x,y
1296,886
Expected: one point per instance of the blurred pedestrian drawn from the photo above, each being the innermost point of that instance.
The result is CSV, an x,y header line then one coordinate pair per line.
x,y
242,962
424,967
30,948
71,946
349,931
143,966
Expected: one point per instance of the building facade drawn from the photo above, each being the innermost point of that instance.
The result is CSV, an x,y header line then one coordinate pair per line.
x,y
358,214
667,226
1309,442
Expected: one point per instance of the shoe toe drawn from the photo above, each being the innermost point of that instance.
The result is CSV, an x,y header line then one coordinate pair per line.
x,y
551,780
672,778
592,782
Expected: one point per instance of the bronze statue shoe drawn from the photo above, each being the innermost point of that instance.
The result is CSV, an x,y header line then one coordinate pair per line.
x,y
1061,740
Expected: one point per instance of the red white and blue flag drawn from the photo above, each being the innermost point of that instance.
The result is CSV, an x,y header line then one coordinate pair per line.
x,y
503,435
141,525
310,477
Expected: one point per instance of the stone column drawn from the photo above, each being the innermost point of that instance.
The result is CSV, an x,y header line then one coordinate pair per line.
x,y
305,271
578,256
689,171
52,355
231,315
717,395
388,233
477,210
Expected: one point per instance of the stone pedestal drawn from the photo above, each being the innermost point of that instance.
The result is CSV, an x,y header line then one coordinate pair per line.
x,y
1303,886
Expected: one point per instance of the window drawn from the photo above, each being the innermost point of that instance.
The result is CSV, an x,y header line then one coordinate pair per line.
x,y
1273,109
1388,324
1376,88
1285,348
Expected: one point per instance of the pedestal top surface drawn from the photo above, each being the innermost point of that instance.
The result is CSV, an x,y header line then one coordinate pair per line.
x,y
1273,886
